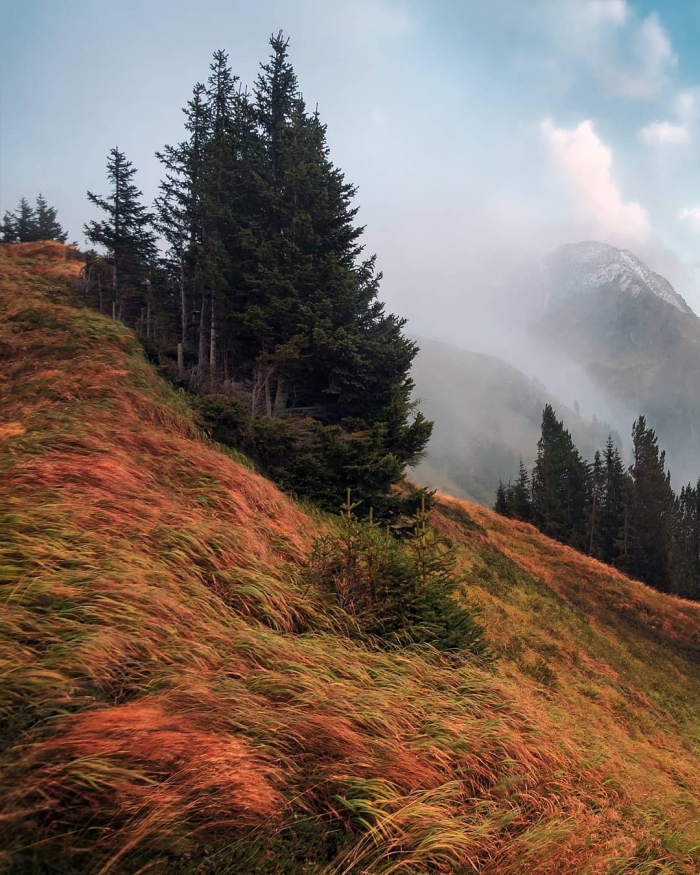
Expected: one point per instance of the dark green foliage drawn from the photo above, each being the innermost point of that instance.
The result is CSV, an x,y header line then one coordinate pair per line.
x,y
559,484
399,591
47,224
312,460
502,504
521,496
648,552
613,517
686,542
27,224
269,300
127,236
594,536
630,519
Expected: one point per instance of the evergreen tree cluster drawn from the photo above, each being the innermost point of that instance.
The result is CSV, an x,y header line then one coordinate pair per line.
x,y
29,224
626,517
260,294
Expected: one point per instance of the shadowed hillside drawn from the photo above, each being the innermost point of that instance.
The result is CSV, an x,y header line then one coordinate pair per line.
x,y
176,697
487,416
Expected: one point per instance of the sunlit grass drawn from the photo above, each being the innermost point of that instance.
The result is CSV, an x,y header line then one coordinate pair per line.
x,y
175,697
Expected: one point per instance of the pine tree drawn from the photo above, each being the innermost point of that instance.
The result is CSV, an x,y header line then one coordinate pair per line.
x,y
25,222
501,505
650,511
598,482
613,509
47,224
126,234
27,225
8,228
180,214
521,495
685,529
560,484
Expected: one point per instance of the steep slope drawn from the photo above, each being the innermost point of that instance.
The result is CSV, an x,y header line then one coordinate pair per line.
x,y
487,415
174,697
634,335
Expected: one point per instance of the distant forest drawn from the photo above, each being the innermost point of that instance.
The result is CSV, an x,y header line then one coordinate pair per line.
x,y
627,517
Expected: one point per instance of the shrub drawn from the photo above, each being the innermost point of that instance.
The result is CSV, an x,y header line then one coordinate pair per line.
x,y
314,461
399,590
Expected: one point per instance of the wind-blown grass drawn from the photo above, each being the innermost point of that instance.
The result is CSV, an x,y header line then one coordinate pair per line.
x,y
174,697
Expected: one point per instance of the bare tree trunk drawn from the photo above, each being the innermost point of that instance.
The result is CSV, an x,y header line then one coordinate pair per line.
x,y
268,398
212,348
203,360
280,397
114,309
180,360
261,386
183,302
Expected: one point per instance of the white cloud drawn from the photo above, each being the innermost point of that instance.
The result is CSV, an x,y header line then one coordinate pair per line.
x,y
684,105
584,163
631,56
607,10
692,216
662,133
672,133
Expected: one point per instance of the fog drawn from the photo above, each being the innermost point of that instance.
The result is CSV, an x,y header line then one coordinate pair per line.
x,y
481,136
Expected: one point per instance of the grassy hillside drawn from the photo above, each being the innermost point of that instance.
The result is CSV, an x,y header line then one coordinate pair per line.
x,y
176,698
487,414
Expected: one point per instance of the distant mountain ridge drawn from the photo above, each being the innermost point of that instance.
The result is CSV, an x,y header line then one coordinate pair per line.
x,y
635,337
578,268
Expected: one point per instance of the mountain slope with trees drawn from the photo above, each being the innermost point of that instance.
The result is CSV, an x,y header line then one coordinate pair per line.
x,y
634,335
179,696
628,517
487,417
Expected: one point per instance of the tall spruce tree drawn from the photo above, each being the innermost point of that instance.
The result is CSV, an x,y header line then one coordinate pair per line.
x,y
650,511
613,511
522,495
180,217
595,534
560,484
127,236
685,530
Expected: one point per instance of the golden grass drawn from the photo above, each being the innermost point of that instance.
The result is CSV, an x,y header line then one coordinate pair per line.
x,y
174,697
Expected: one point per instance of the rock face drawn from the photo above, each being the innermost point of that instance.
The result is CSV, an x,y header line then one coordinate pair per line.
x,y
580,268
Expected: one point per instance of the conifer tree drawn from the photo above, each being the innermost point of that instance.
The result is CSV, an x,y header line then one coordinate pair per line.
x,y
28,225
180,212
521,496
501,505
686,543
126,234
26,222
47,225
613,509
560,483
650,512
598,482
8,228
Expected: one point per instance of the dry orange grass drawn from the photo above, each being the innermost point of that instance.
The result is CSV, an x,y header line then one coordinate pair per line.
x,y
174,697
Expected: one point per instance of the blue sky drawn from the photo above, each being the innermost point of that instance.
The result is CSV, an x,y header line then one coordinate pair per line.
x,y
472,128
